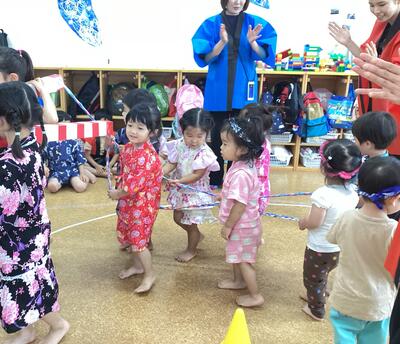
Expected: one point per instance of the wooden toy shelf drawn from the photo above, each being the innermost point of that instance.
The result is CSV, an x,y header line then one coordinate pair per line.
x,y
74,78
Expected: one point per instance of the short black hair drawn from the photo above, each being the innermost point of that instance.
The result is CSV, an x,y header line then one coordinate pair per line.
x,y
252,128
378,127
197,118
224,3
137,96
102,114
378,174
142,113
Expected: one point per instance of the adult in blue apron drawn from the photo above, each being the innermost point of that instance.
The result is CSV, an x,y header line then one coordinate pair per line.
x,y
230,43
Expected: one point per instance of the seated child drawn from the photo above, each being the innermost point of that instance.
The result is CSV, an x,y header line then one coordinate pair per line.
x,y
363,291
95,149
65,162
374,132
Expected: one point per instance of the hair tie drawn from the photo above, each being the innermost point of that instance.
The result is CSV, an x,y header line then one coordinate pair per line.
x,y
20,52
17,133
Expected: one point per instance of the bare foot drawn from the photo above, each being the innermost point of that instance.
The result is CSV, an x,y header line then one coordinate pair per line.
x,y
24,336
230,284
185,256
146,284
307,310
133,270
56,333
250,301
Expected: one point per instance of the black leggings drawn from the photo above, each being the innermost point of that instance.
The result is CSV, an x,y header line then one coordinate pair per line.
x,y
219,117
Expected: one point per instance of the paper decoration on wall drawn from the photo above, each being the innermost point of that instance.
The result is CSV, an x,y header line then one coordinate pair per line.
x,y
80,17
262,3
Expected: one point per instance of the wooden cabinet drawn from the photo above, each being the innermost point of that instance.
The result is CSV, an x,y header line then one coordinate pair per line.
x,y
74,78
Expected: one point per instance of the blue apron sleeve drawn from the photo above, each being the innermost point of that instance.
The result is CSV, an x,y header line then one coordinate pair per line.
x,y
203,41
267,41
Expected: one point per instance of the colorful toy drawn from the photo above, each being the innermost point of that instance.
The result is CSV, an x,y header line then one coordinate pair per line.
x,y
311,57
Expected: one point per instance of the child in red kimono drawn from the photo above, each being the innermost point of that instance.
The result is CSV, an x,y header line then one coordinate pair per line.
x,y
138,193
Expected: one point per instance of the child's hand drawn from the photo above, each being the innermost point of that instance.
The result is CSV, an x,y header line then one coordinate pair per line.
x,y
218,197
84,178
226,232
46,171
174,182
101,170
113,194
302,224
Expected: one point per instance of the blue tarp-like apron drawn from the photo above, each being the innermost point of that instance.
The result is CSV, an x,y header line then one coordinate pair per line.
x,y
229,72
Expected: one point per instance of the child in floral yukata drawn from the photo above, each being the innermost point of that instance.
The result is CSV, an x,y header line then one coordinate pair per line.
x,y
262,163
242,141
28,284
138,193
191,160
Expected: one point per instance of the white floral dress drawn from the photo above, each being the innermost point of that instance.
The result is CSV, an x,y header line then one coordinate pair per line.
x,y
28,285
189,160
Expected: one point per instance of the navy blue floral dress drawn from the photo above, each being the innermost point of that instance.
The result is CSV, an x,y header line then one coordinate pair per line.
x,y
28,285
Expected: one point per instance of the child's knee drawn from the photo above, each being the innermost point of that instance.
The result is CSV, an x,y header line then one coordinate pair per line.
x,y
53,185
78,185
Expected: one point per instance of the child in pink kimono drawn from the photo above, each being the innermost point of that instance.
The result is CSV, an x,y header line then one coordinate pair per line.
x,y
242,141
262,163
191,160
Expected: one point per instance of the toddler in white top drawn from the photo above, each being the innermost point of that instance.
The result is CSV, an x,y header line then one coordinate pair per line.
x,y
340,161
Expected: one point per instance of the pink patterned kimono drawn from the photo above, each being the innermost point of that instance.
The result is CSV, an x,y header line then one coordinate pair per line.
x,y
241,184
262,166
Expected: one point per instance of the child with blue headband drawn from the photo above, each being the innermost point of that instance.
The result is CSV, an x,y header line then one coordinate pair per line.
x,y
363,292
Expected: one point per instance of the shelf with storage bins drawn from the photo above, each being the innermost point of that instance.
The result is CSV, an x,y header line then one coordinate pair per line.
x,y
337,83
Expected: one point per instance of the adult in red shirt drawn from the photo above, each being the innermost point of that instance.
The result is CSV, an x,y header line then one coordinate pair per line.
x,y
383,42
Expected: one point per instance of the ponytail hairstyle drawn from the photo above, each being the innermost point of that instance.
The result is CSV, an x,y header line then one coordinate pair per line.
x,y
340,160
248,133
15,107
16,61
264,112
36,112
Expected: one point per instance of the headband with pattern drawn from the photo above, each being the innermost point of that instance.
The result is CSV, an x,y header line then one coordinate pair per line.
x,y
241,133
380,196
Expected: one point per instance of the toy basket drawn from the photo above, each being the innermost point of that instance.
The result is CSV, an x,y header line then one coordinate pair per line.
x,y
281,138
274,161
318,140
310,161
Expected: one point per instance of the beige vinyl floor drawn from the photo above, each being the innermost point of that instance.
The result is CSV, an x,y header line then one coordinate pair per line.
x,y
184,306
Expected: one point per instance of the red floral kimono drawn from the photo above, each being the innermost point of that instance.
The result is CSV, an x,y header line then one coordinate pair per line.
x,y
389,53
141,174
